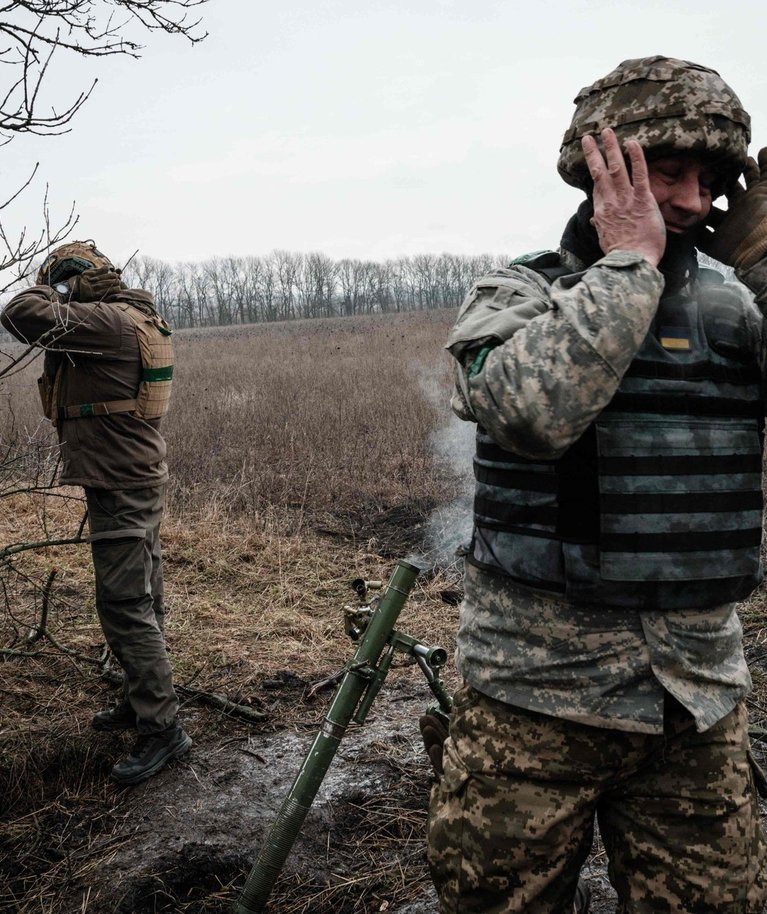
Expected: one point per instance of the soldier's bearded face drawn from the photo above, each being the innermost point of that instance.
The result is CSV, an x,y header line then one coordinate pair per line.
x,y
681,185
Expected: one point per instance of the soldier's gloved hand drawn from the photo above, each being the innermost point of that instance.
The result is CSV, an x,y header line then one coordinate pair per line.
x,y
434,733
94,285
739,237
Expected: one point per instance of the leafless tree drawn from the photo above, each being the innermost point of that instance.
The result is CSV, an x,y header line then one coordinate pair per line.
x,y
34,35
316,285
287,285
266,289
286,267
33,31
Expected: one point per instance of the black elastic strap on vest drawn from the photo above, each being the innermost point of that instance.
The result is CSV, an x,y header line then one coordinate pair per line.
x,y
682,404
672,542
681,503
516,479
487,449
681,465
693,371
506,516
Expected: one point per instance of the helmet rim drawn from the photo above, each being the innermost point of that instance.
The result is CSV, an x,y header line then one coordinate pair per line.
x,y
69,260
670,106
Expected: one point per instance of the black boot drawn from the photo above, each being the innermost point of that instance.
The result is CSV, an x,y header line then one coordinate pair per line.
x,y
121,717
150,754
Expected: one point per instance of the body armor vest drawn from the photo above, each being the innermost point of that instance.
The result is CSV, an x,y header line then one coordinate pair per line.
x,y
659,504
153,396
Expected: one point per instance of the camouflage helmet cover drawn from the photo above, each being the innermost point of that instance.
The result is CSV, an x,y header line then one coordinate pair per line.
x,y
669,106
69,260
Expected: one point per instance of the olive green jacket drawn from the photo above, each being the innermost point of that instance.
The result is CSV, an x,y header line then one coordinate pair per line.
x,y
97,349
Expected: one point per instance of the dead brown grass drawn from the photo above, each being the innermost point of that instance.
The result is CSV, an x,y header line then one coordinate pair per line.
x,y
254,616
308,419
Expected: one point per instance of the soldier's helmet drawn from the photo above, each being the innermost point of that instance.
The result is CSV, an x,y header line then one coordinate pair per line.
x,y
669,106
70,259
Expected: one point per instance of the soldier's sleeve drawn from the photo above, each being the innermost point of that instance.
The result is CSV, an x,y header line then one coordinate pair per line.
x,y
536,364
39,317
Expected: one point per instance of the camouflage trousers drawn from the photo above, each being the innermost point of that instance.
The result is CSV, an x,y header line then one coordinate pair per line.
x,y
127,562
511,821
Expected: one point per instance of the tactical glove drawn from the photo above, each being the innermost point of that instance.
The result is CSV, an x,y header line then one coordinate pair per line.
x,y
94,285
434,733
740,237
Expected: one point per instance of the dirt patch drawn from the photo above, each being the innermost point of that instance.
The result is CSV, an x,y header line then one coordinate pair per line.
x,y
185,840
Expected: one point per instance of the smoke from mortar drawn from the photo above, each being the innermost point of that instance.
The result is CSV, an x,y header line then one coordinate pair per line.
x,y
452,443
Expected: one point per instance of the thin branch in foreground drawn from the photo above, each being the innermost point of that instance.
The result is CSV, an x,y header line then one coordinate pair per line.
x,y
16,548
37,632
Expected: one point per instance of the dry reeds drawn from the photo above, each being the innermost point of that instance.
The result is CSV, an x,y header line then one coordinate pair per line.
x,y
308,419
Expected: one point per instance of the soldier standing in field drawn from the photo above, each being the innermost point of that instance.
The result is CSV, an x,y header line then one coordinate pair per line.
x,y
618,394
105,386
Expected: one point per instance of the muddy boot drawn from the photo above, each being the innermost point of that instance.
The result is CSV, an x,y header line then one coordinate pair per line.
x,y
582,897
121,717
150,754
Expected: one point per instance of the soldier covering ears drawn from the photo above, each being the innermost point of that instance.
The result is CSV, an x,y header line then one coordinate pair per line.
x,y
105,386
617,390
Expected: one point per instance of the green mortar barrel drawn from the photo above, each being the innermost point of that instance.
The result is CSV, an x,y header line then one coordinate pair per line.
x,y
296,805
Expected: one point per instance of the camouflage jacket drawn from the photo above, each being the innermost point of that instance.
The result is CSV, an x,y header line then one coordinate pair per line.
x,y
535,366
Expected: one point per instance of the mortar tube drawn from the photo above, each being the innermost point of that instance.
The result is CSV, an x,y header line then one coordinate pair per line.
x,y
297,803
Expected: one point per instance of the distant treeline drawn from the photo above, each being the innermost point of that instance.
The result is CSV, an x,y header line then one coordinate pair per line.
x,y
285,285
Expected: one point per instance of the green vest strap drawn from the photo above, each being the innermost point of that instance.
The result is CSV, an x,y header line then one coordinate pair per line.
x,y
81,410
164,373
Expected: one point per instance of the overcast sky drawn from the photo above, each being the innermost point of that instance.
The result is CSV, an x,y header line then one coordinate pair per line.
x,y
361,129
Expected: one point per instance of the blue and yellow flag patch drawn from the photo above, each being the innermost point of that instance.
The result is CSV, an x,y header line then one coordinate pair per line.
x,y
675,337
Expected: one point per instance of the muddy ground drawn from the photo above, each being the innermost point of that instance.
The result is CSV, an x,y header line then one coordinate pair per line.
x,y
185,839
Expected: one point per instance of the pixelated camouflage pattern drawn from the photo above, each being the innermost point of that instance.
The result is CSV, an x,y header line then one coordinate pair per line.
x,y
511,819
82,250
669,106
530,550
580,663
568,350
564,352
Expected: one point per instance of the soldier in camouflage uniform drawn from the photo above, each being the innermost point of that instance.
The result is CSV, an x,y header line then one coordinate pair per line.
x,y
105,385
618,393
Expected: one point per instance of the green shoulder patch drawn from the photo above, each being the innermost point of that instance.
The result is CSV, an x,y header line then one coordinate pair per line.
x,y
479,360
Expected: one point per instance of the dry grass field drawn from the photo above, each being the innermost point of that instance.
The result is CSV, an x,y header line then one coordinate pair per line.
x,y
302,455
292,421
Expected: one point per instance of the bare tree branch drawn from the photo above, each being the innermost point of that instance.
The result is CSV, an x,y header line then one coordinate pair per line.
x,y
16,548
30,33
